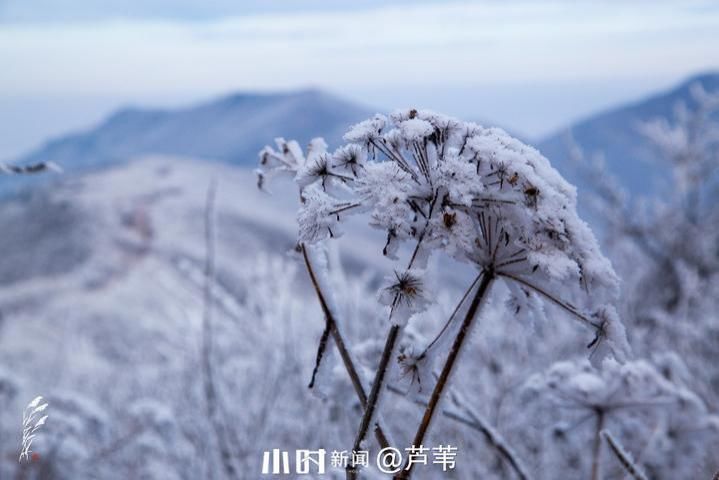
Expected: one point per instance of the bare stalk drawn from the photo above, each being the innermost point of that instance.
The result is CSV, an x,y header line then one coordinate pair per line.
x,y
341,347
387,354
447,369
211,399
492,437
451,317
372,400
470,419
557,301
597,450
627,463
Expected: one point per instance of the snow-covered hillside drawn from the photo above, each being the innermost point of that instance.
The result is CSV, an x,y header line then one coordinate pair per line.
x,y
102,306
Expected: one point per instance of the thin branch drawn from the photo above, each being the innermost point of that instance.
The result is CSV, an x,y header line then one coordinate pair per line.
x,y
477,424
211,398
551,298
626,461
493,438
597,449
373,399
447,369
390,346
320,352
342,347
452,316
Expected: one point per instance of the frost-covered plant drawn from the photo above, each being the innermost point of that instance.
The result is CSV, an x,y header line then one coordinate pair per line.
x,y
668,241
475,194
623,456
632,400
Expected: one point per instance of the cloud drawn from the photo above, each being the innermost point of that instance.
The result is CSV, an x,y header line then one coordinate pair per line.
x,y
62,11
424,44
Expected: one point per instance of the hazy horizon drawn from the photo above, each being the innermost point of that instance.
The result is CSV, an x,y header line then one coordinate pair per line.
x,y
527,67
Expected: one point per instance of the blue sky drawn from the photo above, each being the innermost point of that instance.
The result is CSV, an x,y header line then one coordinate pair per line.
x,y
530,66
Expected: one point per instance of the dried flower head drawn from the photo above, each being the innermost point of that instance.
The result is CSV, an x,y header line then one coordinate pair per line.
x,y
664,421
405,294
473,193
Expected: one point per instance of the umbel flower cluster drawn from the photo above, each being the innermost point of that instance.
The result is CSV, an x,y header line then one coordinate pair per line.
x,y
474,193
666,424
437,185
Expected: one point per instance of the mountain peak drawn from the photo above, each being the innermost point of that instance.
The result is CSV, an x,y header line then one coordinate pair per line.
x,y
709,79
232,128
615,134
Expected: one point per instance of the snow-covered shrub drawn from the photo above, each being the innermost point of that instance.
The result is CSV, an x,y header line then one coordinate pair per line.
x,y
663,424
434,184
666,244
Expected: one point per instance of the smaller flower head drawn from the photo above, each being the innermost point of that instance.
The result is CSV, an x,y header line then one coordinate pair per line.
x,y
405,294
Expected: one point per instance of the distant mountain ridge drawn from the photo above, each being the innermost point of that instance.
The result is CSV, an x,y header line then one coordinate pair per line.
x,y
615,134
234,128
231,129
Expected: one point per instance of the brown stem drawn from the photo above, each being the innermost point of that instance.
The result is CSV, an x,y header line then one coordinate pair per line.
x,y
557,301
627,463
372,400
444,376
342,347
492,437
597,450
475,422
320,353
451,317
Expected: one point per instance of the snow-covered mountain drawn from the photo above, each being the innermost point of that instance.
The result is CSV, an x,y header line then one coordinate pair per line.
x,y
615,134
231,129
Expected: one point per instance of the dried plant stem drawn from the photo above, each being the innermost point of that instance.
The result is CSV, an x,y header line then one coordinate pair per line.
x,y
374,394
341,347
597,450
451,317
492,437
444,376
211,398
470,419
557,301
629,465
395,333
321,347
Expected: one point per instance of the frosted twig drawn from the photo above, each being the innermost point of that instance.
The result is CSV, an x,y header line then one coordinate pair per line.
x,y
341,346
624,458
447,369
597,448
492,436
214,408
